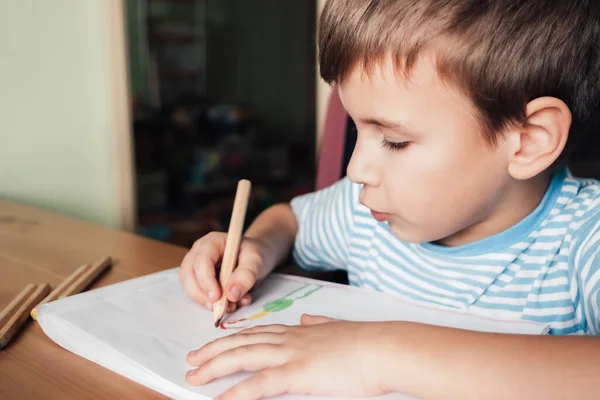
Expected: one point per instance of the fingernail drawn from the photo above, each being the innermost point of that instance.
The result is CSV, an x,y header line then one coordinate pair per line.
x,y
209,305
236,293
192,372
192,353
212,295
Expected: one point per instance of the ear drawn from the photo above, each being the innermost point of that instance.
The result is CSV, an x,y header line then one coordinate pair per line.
x,y
542,138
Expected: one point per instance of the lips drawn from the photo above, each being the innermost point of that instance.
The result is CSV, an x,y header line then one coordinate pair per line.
x,y
381,217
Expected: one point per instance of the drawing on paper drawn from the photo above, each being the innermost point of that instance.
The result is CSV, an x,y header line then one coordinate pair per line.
x,y
272,307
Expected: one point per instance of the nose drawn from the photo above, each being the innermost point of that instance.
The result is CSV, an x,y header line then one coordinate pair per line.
x,y
363,168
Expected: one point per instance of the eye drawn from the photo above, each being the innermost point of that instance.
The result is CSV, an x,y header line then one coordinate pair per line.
x,y
394,146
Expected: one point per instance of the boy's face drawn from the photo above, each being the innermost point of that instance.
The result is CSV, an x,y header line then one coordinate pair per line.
x,y
440,179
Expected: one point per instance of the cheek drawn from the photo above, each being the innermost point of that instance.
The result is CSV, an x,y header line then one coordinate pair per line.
x,y
432,178
424,170
416,185
455,159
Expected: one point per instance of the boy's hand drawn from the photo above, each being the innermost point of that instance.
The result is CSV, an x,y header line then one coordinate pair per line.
x,y
320,357
199,277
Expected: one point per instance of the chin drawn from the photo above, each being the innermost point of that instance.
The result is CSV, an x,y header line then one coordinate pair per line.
x,y
409,235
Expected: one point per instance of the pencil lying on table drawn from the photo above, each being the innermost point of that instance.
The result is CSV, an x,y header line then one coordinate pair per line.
x,y
14,305
87,277
32,296
17,312
75,283
232,244
61,288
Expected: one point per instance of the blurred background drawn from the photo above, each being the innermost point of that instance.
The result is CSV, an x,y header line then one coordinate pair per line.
x,y
143,114
221,90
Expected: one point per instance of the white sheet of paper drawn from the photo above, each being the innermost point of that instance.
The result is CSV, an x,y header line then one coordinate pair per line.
x,y
143,328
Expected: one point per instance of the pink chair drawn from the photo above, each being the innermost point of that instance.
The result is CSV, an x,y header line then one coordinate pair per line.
x,y
331,153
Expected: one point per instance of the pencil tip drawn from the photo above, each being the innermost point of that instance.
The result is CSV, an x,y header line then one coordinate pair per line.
x,y
217,323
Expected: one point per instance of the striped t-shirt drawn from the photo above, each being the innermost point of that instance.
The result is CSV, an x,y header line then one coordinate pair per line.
x,y
546,268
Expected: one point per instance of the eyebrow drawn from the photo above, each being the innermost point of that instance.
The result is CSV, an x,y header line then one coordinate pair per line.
x,y
384,123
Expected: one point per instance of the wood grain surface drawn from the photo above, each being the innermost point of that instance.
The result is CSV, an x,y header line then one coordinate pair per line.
x,y
37,247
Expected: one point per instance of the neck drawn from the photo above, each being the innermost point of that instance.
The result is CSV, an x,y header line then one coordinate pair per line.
x,y
516,201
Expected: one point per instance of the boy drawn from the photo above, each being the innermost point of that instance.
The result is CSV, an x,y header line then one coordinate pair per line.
x,y
456,194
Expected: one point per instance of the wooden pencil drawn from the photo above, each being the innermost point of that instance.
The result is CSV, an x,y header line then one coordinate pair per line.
x,y
85,279
16,321
60,289
232,244
14,305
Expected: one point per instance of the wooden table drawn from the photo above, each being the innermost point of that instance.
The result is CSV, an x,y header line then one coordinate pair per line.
x,y
38,246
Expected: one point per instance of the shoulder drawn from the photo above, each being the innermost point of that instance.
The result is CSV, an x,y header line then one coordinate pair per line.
x,y
585,249
576,205
342,193
582,204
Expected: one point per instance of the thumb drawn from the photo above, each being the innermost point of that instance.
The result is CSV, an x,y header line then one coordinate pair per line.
x,y
307,319
241,281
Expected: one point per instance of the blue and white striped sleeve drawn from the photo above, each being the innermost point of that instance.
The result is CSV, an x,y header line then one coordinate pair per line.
x,y
324,223
587,264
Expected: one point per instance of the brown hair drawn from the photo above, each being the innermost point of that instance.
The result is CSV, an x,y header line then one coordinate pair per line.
x,y
500,53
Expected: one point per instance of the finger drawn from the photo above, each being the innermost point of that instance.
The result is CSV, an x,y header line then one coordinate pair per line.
x,y
307,319
190,285
268,383
207,257
246,300
188,260
241,281
245,275
252,358
231,307
275,328
227,343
